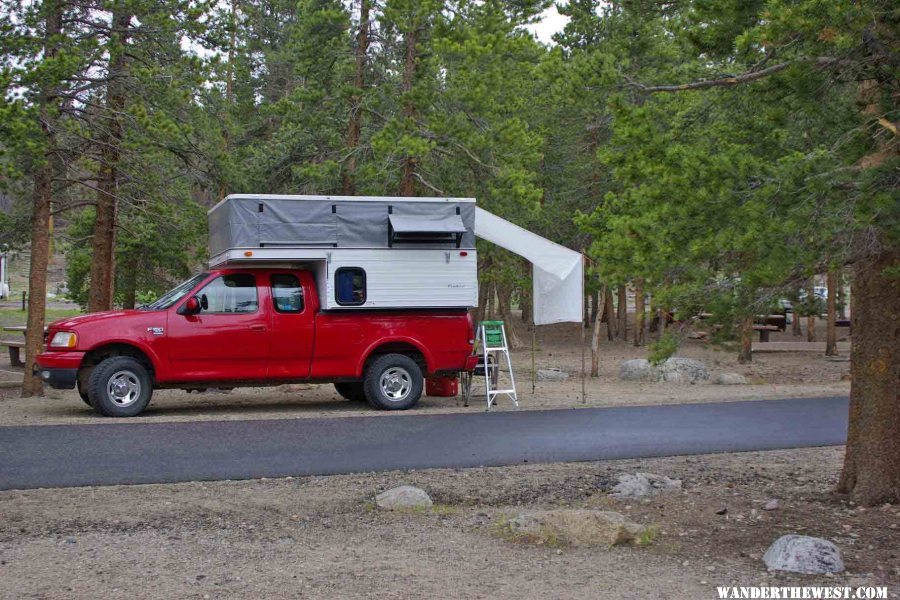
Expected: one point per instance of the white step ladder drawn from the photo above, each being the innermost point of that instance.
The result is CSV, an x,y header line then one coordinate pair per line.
x,y
491,338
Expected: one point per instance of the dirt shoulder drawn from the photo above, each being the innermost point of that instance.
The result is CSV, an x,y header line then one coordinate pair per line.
x,y
321,537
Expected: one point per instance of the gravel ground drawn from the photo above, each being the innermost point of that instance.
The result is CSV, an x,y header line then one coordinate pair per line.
x,y
321,537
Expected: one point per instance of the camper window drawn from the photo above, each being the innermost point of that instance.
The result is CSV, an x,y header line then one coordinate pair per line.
x,y
229,294
287,293
350,286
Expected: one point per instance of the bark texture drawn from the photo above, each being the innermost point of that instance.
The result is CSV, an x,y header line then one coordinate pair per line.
x,y
42,196
103,245
871,473
639,313
746,354
408,177
348,185
610,311
595,339
622,313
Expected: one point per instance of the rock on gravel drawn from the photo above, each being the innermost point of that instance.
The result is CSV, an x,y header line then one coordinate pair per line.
x,y
638,485
673,370
729,379
803,554
403,497
574,527
553,374
771,505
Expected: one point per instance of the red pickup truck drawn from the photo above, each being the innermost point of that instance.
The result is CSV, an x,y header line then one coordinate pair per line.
x,y
251,327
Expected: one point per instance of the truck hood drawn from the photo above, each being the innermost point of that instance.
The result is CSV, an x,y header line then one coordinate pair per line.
x,y
102,318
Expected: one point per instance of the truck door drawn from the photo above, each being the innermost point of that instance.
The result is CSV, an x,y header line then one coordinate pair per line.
x,y
228,339
293,324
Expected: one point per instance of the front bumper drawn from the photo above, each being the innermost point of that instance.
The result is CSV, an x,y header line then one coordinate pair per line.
x,y
58,369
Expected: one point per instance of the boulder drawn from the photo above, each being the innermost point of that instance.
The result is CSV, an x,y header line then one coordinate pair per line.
x,y
638,485
574,527
673,370
729,379
403,498
552,374
803,554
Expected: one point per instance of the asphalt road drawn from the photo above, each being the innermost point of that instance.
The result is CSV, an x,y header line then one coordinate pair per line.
x,y
130,453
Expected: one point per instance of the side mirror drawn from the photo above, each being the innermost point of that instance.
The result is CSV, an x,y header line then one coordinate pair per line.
x,y
191,307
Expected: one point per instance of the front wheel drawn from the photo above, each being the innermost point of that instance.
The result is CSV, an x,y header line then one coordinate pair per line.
x,y
393,382
120,386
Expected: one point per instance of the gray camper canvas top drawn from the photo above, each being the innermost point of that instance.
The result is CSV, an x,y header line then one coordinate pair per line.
x,y
412,252
271,221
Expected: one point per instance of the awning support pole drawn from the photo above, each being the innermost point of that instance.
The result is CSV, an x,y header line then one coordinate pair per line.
x,y
533,370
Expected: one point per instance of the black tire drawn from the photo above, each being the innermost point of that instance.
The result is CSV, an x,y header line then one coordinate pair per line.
x,y
81,385
352,391
120,386
398,371
85,397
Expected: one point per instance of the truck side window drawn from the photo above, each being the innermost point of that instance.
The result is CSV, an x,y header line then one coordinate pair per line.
x,y
234,293
287,293
350,286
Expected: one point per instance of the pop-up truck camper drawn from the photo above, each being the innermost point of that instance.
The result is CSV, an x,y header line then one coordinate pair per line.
x,y
371,294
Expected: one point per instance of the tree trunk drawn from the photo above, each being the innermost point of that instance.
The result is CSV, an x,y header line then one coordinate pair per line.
x,y
42,196
504,301
871,471
129,285
811,317
595,338
348,186
622,313
639,312
103,246
831,330
795,320
610,311
408,178
661,322
841,297
746,354
595,307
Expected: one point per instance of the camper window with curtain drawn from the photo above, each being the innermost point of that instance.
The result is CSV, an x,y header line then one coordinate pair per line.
x,y
350,286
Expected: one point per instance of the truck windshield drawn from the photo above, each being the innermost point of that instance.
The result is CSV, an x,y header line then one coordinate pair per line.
x,y
175,294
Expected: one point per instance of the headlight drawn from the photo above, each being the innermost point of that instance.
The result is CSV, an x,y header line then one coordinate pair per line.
x,y
63,339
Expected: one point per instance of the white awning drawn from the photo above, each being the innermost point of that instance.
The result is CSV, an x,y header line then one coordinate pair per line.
x,y
426,224
558,278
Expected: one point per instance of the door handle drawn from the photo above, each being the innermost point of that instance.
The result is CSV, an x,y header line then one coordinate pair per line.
x,y
257,328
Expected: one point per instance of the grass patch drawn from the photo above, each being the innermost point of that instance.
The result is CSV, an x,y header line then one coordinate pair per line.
x,y
13,316
647,536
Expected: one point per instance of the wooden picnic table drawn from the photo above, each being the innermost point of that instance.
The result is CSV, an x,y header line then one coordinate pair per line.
x,y
764,331
15,347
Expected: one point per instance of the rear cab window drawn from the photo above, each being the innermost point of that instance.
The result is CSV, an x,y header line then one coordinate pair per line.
x,y
287,293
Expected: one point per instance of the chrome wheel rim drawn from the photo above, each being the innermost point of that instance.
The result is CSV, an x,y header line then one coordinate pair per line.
x,y
123,388
396,383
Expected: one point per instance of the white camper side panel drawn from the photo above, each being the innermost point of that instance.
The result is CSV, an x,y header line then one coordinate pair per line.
x,y
408,278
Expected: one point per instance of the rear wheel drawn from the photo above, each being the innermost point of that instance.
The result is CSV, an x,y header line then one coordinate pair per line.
x,y
352,391
120,386
393,382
